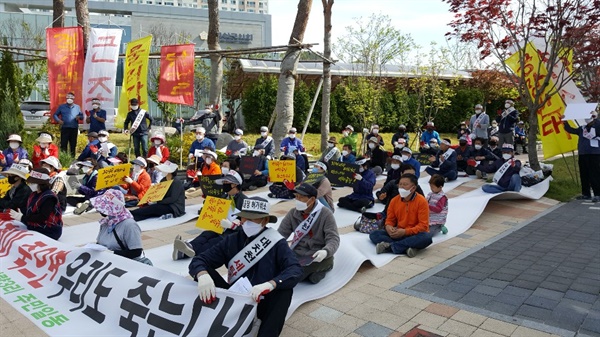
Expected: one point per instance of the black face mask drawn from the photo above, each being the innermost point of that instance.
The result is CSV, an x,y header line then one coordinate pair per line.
x,y
102,214
429,129
150,165
402,130
462,143
493,143
227,188
12,179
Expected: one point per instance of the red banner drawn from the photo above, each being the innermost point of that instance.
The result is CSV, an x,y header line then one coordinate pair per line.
x,y
176,83
64,47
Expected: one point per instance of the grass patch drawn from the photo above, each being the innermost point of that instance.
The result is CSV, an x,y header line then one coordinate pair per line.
x,y
564,187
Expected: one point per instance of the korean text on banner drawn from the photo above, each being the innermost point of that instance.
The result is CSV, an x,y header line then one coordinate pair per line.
x,y
156,192
112,175
176,84
555,140
64,47
280,170
135,77
100,72
213,211
63,289
4,187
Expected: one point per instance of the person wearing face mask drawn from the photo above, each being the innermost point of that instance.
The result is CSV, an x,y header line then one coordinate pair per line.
x,y
172,204
393,172
16,197
493,130
315,234
479,124
210,119
57,183
520,137
506,123
96,117
588,148
237,147
283,190
209,166
464,152
155,175
261,172
464,132
444,162
331,152
349,137
273,274
137,117
431,149
44,149
408,159
429,134
479,154
388,192
267,142
407,222
506,172
137,184
377,156
320,181
91,150
86,188
43,213
347,156
231,188
493,148
14,153
107,151
68,116
200,144
400,134
362,189
159,148
291,142
375,133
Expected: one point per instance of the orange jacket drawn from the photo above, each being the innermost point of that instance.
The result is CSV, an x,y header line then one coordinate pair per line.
x,y
211,170
139,187
39,155
163,150
411,215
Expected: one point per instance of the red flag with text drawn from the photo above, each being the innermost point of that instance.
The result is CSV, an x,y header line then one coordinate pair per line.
x,y
176,84
64,47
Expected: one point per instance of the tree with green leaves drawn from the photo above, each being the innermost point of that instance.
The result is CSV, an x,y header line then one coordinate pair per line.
x,y
11,118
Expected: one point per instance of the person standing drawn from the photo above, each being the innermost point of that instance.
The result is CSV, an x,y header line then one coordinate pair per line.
x,y
349,137
139,129
97,117
506,123
68,116
479,124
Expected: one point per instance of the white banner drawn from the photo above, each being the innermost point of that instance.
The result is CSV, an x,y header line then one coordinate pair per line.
x,y
100,70
67,291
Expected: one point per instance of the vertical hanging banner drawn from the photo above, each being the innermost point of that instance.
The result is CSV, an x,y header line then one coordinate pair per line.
x,y
176,84
135,77
555,140
100,72
64,47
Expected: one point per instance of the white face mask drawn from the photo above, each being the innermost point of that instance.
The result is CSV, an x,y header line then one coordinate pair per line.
x,y
395,166
588,120
404,193
200,137
345,133
251,228
134,107
477,147
224,170
137,168
33,187
208,161
478,111
237,137
405,157
361,169
375,131
264,134
301,206
255,153
292,136
371,146
157,142
344,153
330,144
507,105
102,139
494,125
506,156
69,101
14,145
95,106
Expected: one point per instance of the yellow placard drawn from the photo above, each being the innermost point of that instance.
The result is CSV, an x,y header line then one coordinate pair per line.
x,y
156,192
280,170
112,175
555,140
213,211
4,187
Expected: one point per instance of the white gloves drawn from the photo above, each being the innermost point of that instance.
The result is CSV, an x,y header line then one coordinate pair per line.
x,y
357,176
191,156
16,215
319,255
198,173
128,180
261,289
206,288
226,224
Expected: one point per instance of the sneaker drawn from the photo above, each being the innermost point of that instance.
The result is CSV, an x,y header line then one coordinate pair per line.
x,y
252,188
177,255
479,174
583,197
363,209
383,247
271,195
82,207
411,252
166,216
596,198
184,247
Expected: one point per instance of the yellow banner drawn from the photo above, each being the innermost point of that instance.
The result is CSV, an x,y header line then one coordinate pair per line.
x,y
156,192
280,170
4,187
213,211
135,77
555,140
112,176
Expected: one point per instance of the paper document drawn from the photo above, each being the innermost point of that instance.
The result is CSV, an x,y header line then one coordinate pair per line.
x,y
241,286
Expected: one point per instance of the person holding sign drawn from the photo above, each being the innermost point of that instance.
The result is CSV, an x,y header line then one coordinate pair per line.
x,y
137,184
43,213
87,187
506,176
259,253
362,195
347,155
261,172
588,148
139,129
444,161
315,235
159,148
332,152
91,148
283,190
57,183
16,197
44,149
14,153
318,179
173,203
267,142
200,144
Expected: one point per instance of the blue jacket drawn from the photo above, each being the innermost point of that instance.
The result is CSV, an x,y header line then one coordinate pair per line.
x,y
69,115
414,163
448,164
507,124
87,152
363,189
279,264
204,144
287,142
583,144
95,125
520,131
350,159
9,156
427,136
300,162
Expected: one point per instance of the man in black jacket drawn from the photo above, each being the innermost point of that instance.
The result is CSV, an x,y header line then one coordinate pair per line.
x,y
173,203
16,197
139,129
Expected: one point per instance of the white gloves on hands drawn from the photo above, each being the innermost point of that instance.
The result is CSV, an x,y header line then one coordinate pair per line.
x,y
191,156
16,215
226,224
128,180
357,176
206,288
198,173
261,289
319,255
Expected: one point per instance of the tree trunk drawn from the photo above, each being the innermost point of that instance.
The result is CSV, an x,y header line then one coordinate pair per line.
x,y
58,9
284,107
216,61
532,134
326,98
83,19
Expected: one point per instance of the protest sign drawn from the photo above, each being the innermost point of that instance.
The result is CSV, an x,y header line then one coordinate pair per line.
x,y
313,178
213,211
210,187
72,183
4,187
422,158
248,164
280,170
341,174
156,192
112,175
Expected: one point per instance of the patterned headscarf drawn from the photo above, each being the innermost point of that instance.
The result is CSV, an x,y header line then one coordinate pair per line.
x,y
111,204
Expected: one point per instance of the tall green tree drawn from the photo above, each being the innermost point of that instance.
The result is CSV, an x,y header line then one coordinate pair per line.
x,y
11,118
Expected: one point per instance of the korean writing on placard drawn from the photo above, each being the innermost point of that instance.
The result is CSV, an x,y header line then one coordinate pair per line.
x,y
341,174
112,175
282,170
213,211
